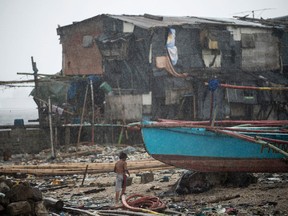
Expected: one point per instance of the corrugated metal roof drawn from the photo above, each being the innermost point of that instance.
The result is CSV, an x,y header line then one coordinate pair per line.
x,y
144,22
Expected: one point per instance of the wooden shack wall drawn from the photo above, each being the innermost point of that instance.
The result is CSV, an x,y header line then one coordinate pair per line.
x,y
132,73
80,54
232,61
123,107
259,48
204,52
284,52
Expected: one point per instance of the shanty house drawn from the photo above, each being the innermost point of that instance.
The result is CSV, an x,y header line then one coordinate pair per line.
x,y
177,67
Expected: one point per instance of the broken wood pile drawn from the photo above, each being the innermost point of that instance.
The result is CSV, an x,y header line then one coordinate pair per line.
x,y
80,168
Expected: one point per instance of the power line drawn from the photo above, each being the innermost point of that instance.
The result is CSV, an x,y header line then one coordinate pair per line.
x,y
253,11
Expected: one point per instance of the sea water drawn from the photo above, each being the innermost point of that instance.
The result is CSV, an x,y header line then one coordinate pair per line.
x,y
8,116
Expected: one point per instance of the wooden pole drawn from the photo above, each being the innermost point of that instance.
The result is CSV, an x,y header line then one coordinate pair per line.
x,y
35,70
84,175
82,116
211,106
56,137
92,123
123,114
67,136
214,116
54,203
51,128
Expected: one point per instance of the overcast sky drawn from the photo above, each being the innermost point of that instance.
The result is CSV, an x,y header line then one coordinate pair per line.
x,y
28,28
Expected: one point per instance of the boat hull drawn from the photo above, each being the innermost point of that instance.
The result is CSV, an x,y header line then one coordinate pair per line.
x,y
203,164
205,151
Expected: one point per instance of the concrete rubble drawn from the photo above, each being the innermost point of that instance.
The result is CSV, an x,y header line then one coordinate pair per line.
x,y
74,194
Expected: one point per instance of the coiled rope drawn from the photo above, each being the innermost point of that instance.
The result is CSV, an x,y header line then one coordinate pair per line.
x,y
138,202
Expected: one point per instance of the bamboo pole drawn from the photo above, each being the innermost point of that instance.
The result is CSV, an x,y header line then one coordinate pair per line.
x,y
221,122
147,162
93,112
272,140
251,139
81,168
61,172
71,169
265,88
82,116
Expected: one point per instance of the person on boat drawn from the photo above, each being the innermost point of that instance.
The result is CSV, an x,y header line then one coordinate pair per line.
x,y
121,170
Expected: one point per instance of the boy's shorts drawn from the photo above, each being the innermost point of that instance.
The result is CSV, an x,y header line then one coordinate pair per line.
x,y
119,182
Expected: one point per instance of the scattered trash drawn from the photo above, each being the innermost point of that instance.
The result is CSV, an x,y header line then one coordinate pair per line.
x,y
212,194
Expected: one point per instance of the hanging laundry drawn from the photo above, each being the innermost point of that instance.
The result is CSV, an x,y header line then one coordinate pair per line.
x,y
170,45
163,62
57,110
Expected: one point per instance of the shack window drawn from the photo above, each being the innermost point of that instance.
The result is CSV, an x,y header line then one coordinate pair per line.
x,y
87,41
241,96
247,41
248,95
115,47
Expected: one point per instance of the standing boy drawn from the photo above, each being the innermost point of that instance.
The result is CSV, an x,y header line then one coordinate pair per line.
x,y
121,169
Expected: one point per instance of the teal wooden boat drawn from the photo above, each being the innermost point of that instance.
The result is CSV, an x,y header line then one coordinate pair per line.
x,y
230,146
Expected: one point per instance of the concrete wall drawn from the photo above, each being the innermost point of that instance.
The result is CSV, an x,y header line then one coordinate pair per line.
x,y
23,140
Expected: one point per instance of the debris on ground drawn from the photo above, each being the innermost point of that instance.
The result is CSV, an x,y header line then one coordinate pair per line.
x,y
75,189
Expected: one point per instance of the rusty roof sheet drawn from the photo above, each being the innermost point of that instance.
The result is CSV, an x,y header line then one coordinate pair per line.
x,y
147,23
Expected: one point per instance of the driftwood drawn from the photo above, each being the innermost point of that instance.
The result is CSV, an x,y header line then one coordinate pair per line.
x,y
52,188
97,190
122,212
225,198
50,202
75,210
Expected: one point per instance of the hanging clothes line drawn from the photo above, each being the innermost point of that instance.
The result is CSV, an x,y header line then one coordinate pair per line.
x,y
55,108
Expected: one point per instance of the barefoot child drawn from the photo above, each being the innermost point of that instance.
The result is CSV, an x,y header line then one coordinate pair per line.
x,y
121,169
